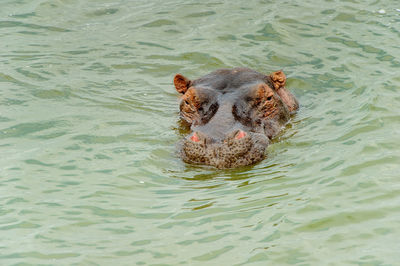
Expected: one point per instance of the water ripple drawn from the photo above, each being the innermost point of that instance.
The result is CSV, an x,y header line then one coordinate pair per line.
x,y
12,24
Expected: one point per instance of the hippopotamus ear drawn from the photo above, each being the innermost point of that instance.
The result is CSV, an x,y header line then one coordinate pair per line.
x,y
278,79
181,83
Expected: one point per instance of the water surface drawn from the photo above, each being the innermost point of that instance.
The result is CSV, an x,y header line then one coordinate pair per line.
x,y
89,121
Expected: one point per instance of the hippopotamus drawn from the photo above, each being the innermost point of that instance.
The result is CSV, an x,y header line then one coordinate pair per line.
x,y
232,115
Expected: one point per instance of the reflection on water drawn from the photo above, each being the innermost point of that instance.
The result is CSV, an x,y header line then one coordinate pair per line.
x,y
89,125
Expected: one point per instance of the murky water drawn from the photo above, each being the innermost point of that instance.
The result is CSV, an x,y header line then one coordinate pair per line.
x,y
89,122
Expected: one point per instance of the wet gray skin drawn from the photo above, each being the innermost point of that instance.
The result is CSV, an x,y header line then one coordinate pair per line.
x,y
233,114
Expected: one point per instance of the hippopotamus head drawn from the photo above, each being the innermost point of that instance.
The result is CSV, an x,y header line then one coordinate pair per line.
x,y
233,114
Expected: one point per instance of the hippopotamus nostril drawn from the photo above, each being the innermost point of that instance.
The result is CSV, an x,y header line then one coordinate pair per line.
x,y
240,134
200,138
195,137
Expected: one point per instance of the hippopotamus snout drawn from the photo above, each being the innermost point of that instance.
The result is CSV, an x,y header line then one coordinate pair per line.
x,y
201,137
237,148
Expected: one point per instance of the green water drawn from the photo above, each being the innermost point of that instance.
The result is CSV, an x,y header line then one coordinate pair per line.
x,y
89,122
